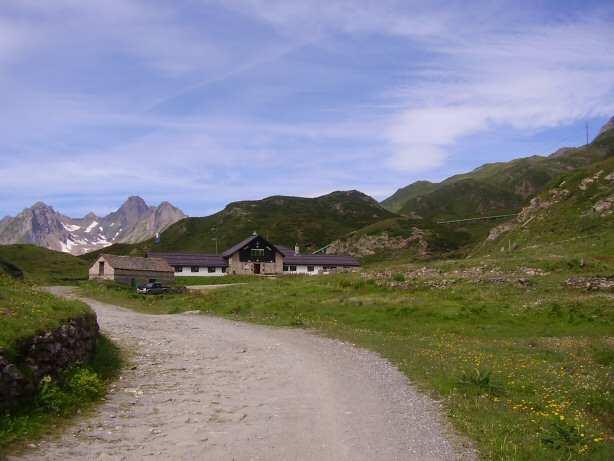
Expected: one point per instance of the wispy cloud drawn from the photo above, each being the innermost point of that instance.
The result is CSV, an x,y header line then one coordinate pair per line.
x,y
529,79
200,101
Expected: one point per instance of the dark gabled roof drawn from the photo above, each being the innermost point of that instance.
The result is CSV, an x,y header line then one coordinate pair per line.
x,y
322,260
233,249
191,259
134,263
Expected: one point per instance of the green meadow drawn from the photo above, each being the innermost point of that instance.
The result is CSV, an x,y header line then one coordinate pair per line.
x,y
522,363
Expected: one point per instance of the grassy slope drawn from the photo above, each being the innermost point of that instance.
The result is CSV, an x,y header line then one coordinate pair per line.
x,y
312,222
25,311
493,188
525,370
396,201
569,226
42,265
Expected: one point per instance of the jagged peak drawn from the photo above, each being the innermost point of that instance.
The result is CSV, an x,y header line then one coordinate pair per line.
x,y
135,199
39,205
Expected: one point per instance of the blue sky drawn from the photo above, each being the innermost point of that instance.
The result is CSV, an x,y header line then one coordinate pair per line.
x,y
203,102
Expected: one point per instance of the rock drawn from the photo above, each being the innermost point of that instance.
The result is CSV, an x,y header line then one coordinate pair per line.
x,y
604,207
46,354
591,283
366,245
589,181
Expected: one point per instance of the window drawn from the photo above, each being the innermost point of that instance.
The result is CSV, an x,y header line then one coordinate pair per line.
x,y
285,268
310,268
101,268
292,268
211,270
194,269
257,254
223,270
178,268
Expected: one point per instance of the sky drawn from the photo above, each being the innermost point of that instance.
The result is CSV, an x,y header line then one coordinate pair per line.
x,y
204,102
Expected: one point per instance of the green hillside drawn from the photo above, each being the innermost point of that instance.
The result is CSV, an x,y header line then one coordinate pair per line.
x,y
396,201
496,188
573,216
310,222
40,264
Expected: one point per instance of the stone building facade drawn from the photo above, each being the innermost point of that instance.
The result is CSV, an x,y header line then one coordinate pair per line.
x,y
131,270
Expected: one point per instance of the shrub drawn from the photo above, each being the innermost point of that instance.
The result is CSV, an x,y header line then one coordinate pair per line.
x,y
398,277
85,384
561,435
53,398
479,381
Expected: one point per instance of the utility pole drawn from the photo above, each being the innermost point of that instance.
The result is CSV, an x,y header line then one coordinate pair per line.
x,y
214,230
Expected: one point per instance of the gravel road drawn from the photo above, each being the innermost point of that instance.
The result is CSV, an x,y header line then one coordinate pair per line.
x,y
205,388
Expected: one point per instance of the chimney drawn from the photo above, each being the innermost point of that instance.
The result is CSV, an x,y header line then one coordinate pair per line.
x,y
296,249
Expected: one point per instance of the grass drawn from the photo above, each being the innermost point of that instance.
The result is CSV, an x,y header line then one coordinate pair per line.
x,y
523,364
219,280
41,265
75,391
25,311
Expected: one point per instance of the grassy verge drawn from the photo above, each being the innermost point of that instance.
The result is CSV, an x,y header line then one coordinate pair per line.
x,y
219,280
524,364
24,312
76,390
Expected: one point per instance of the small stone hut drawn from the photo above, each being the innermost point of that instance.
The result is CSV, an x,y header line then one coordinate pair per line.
x,y
131,270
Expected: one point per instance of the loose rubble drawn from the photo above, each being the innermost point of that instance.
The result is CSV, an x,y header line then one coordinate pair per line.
x,y
436,278
591,283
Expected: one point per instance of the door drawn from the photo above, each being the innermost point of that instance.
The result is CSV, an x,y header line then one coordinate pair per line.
x,y
256,268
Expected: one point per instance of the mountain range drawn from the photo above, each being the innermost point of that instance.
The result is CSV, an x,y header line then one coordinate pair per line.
x,y
310,222
415,218
133,222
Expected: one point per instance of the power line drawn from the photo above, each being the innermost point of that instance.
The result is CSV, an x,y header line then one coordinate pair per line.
x,y
481,218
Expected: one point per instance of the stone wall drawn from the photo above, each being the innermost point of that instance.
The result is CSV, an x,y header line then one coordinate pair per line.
x,y
48,353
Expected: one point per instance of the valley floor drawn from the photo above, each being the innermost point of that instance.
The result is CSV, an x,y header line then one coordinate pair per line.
x,y
208,388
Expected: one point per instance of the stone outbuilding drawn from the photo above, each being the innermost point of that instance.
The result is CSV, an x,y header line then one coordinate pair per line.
x,y
131,270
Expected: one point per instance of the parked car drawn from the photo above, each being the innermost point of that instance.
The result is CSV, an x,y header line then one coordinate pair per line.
x,y
151,288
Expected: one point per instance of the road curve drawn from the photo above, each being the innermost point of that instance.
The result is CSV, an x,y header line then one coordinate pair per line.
x,y
202,387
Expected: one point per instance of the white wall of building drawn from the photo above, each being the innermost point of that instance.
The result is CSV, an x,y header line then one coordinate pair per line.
x,y
303,270
202,272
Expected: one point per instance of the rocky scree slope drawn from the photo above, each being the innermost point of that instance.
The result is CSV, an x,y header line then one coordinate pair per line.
x,y
41,225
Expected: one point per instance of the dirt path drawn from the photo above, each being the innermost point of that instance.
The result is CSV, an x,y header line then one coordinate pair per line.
x,y
207,388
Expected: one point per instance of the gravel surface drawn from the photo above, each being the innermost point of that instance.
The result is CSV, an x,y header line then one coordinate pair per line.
x,y
200,387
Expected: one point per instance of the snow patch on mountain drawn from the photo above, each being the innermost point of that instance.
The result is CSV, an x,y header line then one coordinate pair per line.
x,y
90,228
71,227
133,222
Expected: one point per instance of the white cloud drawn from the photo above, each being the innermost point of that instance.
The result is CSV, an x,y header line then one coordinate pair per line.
x,y
529,80
468,71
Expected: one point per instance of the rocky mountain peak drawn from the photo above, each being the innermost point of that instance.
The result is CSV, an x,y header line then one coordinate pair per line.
x,y
132,222
41,206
